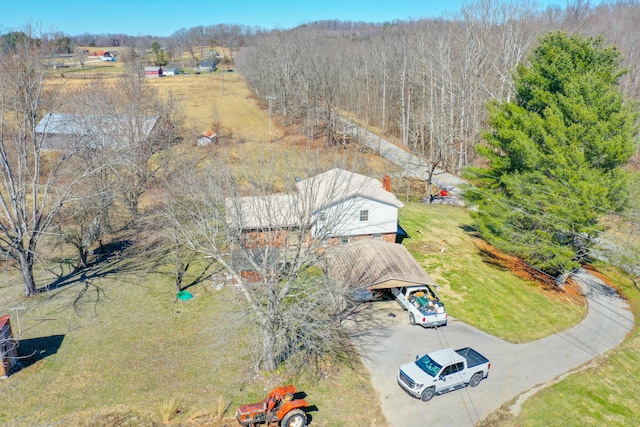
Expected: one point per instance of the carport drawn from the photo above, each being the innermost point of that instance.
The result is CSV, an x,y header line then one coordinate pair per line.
x,y
373,264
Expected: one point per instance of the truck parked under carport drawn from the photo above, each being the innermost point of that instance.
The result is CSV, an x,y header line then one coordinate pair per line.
x,y
368,267
423,305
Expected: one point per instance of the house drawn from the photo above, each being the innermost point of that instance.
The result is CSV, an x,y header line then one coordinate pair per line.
x,y
336,207
170,71
349,206
153,72
328,211
8,347
206,65
207,138
73,131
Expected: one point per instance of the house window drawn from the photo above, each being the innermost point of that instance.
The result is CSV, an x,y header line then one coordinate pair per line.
x,y
322,217
377,236
364,215
344,240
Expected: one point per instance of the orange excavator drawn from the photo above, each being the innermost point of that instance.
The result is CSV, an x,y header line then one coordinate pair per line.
x,y
280,408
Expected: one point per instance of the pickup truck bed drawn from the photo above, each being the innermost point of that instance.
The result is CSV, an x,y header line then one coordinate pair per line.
x,y
473,357
422,304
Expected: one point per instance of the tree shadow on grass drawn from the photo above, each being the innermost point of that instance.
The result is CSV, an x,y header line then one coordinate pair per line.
x,y
112,260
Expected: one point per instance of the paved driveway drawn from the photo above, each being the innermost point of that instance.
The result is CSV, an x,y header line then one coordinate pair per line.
x,y
515,368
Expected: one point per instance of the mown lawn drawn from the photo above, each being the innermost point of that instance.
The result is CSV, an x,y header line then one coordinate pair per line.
x,y
115,348
475,289
604,394
121,350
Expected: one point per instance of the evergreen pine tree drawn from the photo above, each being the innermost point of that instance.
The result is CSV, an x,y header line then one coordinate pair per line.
x,y
554,155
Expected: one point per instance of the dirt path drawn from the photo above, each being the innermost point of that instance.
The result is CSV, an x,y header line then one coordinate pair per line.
x,y
515,368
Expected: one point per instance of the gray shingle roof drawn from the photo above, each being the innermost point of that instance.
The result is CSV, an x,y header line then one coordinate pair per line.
x,y
320,191
265,212
81,124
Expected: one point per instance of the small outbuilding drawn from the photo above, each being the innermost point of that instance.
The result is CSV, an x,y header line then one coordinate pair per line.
x,y
8,347
207,138
170,71
153,72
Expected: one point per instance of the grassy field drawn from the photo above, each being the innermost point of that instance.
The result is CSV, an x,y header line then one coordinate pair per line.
x,y
119,349
221,102
475,289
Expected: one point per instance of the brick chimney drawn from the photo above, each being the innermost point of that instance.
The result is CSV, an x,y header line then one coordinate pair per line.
x,y
386,183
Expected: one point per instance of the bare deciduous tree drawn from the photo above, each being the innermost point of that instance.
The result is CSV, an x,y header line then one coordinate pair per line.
x,y
36,182
271,244
145,124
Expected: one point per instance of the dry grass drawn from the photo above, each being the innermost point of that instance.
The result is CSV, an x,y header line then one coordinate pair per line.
x,y
168,410
128,344
221,102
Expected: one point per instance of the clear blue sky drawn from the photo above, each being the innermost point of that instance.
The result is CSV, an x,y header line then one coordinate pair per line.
x,y
163,17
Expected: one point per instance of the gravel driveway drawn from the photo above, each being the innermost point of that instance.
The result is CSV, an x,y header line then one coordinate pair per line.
x,y
515,368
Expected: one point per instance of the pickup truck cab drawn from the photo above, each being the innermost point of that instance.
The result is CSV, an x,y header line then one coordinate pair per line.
x,y
422,304
442,371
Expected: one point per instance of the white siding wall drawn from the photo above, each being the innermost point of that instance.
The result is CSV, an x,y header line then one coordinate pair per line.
x,y
343,219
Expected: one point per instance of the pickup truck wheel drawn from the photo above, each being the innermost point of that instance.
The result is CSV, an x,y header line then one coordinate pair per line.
x,y
412,319
428,394
475,379
295,418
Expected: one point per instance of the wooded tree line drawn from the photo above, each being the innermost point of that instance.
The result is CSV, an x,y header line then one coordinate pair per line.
x,y
423,82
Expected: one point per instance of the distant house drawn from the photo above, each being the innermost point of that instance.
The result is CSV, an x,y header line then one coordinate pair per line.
x,y
207,138
105,56
72,131
8,347
170,71
206,66
153,72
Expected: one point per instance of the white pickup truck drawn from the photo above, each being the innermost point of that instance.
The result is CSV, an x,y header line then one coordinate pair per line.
x,y
422,304
442,371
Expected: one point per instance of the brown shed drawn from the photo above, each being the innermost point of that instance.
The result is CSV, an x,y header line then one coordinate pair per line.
x,y
8,347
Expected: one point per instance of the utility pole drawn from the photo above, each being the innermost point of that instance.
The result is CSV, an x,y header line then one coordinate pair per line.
x,y
270,98
18,317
